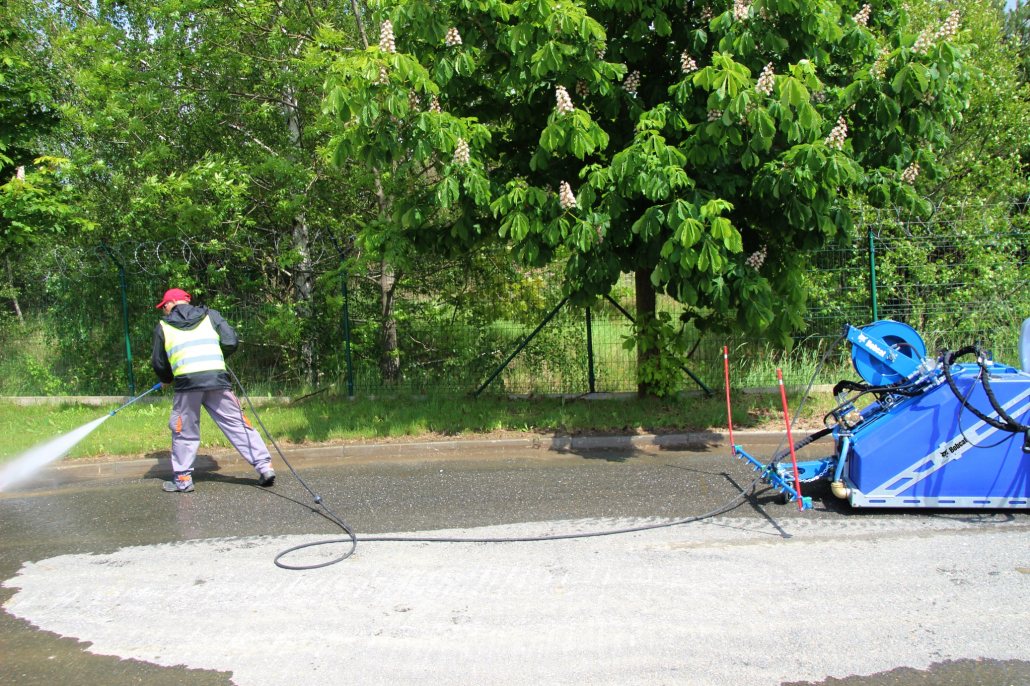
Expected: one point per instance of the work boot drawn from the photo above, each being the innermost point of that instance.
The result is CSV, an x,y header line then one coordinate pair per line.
x,y
183,484
266,479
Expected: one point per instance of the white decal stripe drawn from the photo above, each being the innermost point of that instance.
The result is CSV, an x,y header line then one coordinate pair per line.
x,y
945,453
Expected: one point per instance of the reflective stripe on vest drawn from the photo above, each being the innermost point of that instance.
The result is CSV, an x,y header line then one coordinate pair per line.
x,y
193,351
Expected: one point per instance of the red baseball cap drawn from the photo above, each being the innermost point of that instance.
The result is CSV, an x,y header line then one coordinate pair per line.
x,y
172,295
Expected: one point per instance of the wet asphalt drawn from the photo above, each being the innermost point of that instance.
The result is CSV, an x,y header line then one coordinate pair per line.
x,y
100,516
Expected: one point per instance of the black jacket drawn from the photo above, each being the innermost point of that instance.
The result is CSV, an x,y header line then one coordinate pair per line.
x,y
187,318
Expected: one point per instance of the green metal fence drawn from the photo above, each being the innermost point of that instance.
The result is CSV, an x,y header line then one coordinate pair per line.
x,y
87,317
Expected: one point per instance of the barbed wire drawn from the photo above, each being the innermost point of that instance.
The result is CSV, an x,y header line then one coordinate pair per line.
x,y
151,258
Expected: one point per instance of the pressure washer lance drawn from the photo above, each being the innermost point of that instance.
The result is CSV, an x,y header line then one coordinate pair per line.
x,y
353,538
152,389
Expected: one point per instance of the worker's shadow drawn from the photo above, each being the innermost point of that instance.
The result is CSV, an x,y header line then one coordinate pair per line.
x,y
162,467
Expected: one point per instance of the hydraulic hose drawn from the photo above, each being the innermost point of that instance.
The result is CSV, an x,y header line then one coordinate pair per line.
x,y
1008,424
353,539
948,359
802,443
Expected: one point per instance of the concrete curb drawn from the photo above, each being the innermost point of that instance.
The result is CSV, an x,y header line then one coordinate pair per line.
x,y
418,452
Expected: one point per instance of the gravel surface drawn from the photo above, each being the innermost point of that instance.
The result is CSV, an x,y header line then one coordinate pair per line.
x,y
731,601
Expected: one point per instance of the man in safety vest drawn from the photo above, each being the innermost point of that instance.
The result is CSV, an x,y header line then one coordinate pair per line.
x,y
190,347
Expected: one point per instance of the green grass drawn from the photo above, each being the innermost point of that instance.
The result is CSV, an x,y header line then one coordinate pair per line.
x,y
143,429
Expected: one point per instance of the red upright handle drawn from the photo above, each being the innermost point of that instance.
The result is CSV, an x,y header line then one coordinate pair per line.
x,y
729,411
790,439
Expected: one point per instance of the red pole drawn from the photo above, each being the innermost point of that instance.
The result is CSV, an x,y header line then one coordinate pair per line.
x,y
729,412
790,439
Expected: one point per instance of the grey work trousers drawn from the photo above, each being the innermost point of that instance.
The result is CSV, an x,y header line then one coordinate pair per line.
x,y
224,409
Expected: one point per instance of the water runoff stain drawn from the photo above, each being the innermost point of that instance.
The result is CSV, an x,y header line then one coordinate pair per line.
x,y
948,673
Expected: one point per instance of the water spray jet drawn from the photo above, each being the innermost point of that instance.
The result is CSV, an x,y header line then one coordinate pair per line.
x,y
33,460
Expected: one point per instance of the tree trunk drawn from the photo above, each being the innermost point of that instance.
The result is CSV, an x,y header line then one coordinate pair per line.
x,y
303,293
390,362
14,293
303,290
646,311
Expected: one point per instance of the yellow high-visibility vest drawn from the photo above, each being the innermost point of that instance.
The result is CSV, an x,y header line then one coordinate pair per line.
x,y
193,351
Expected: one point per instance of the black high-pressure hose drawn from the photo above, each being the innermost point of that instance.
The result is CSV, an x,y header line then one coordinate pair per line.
x,y
1008,424
353,538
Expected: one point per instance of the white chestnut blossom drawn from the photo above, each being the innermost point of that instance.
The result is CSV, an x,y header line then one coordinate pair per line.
x,y
386,42
950,28
819,97
565,196
582,90
687,63
910,174
923,43
413,100
19,173
383,77
461,152
601,50
434,105
838,135
453,38
564,101
766,81
706,14
757,259
741,10
632,82
862,18
714,115
879,67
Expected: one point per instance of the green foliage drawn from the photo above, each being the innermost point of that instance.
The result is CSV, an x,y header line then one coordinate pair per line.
x,y
38,206
662,369
985,160
37,203
683,175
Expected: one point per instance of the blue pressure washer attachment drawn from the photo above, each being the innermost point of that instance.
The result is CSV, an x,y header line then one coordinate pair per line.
x,y
152,389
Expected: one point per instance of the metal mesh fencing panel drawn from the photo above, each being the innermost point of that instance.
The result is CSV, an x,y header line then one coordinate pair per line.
x,y
957,277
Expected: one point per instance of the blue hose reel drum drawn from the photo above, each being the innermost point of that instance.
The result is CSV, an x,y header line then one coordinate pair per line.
x,y
902,339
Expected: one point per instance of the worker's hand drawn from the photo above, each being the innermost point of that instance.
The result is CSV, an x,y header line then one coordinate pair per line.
x,y
163,384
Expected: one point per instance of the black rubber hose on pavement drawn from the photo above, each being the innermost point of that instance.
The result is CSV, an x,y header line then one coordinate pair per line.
x,y
353,539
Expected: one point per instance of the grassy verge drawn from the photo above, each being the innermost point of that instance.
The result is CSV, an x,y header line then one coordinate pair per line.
x,y
143,429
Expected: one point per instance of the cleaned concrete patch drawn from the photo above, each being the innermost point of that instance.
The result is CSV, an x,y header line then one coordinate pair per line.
x,y
732,601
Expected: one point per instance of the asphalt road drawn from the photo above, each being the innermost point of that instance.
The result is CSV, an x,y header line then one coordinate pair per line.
x,y
116,582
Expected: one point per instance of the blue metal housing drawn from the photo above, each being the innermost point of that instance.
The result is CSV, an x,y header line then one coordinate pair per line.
x,y
915,454
917,446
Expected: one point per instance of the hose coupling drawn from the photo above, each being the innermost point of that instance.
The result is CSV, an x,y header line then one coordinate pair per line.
x,y
840,490
318,500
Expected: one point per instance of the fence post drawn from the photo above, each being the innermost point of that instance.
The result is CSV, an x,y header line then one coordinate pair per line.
x,y
872,273
125,318
590,353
